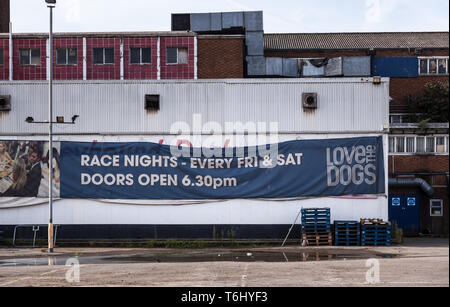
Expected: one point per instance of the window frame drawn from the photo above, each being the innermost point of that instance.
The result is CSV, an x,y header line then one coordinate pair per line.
x,y
30,57
433,58
441,204
178,49
103,56
67,56
140,56
393,144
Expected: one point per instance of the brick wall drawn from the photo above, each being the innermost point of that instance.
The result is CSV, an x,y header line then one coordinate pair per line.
x,y
68,72
102,71
401,88
30,72
140,71
220,58
4,65
418,163
4,16
177,71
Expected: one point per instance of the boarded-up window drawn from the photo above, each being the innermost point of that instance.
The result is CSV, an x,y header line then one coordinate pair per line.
x,y
182,55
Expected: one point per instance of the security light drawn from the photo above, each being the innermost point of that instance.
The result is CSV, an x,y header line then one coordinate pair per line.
x,y
29,120
50,1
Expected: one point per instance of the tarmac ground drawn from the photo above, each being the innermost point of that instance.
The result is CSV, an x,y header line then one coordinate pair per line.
x,y
418,262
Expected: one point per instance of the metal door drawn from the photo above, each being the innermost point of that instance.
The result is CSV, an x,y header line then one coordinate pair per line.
x,y
404,212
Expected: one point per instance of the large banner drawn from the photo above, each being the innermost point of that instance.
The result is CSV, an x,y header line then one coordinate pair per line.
x,y
305,168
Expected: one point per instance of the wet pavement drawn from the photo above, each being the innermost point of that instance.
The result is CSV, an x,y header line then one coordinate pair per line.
x,y
192,256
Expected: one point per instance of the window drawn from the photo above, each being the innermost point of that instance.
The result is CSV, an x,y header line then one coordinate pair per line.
x,y
140,55
412,144
400,145
30,56
103,55
433,66
66,56
436,207
440,145
177,55
1,57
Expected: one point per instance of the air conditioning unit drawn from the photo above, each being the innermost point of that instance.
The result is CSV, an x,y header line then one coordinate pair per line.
x,y
309,101
5,102
152,102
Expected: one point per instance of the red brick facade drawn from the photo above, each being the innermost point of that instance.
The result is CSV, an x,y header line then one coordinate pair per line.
x,y
220,58
102,71
140,71
177,71
30,72
68,72
99,71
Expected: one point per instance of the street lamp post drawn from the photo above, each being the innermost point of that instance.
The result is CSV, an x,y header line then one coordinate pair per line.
x,y
51,5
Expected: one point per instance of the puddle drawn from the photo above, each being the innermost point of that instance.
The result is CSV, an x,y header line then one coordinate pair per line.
x,y
194,256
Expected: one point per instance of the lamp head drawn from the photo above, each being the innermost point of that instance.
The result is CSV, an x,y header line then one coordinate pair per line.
x,y
50,1
29,120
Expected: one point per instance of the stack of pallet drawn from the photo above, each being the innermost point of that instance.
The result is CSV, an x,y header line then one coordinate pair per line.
x,y
375,232
316,227
347,233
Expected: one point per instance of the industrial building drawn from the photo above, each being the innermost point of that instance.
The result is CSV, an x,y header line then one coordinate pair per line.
x,y
222,68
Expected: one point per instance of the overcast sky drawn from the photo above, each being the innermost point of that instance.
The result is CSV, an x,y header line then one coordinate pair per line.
x,y
280,16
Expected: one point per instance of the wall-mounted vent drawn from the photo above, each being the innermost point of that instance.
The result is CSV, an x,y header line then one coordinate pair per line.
x,y
152,102
309,101
5,103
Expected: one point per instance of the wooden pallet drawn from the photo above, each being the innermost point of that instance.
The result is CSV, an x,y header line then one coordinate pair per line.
x,y
374,222
317,239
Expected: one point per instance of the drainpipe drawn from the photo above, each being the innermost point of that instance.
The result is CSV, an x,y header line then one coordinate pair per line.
x,y
412,182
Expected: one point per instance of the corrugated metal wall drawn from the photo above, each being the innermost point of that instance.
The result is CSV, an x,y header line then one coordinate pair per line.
x,y
345,105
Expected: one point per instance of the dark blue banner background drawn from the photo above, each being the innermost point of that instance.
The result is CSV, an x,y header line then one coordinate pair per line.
x,y
329,167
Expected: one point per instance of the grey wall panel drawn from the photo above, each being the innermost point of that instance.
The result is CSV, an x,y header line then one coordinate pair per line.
x,y
309,70
356,66
253,21
216,21
274,66
290,68
256,66
334,67
232,20
200,22
255,43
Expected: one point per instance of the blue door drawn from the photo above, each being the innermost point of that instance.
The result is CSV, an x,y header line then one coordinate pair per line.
x,y
404,211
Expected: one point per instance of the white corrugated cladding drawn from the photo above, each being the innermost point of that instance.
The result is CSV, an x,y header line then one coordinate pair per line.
x,y
115,110
351,105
